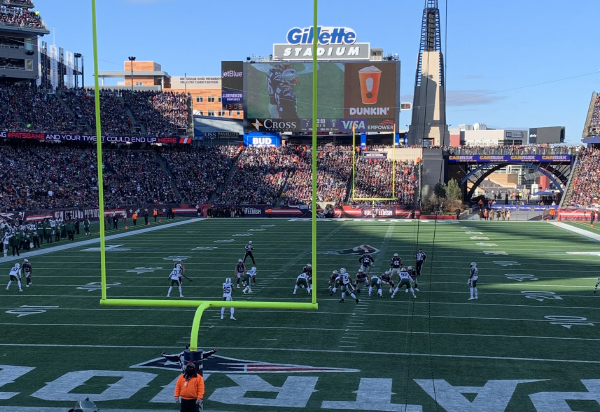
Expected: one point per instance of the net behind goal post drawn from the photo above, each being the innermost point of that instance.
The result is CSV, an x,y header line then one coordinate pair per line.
x,y
200,304
372,199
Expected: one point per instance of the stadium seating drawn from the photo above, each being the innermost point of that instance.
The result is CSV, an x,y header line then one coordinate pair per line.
x,y
20,16
585,191
374,180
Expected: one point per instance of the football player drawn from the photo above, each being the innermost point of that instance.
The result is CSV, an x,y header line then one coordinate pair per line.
x,y
227,290
597,283
248,280
249,249
421,257
404,281
346,282
334,282
386,277
396,264
240,269
366,260
307,269
273,82
180,263
375,283
413,275
285,96
175,277
473,280
302,281
15,275
361,278
27,270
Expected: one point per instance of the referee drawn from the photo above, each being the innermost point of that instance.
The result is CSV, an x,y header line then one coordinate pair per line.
x,y
249,249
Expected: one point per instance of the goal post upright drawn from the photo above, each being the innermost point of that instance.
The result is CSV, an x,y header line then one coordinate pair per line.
x,y
202,305
99,155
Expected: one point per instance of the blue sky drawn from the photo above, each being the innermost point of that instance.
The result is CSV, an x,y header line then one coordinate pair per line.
x,y
511,63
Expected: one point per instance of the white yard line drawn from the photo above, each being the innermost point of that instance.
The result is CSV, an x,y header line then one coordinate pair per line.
x,y
321,351
73,245
582,232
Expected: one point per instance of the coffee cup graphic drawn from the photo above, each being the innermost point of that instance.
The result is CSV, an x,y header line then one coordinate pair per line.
x,y
370,78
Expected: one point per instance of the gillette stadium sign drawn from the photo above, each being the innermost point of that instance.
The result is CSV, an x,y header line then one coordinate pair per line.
x,y
334,43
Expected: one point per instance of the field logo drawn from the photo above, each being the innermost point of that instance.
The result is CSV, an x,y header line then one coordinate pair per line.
x,y
222,364
357,250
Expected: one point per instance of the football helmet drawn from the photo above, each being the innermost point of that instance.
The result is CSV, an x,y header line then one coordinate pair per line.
x,y
253,269
395,255
343,270
250,242
473,264
290,76
17,266
410,268
403,270
26,261
228,280
335,272
240,261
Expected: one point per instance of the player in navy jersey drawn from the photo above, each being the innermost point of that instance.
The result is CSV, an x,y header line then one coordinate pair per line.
x,y
273,82
285,96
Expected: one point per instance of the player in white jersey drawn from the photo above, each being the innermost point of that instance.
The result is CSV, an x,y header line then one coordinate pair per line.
x,y
15,275
473,280
303,280
405,280
227,290
175,276
249,278
375,282
346,282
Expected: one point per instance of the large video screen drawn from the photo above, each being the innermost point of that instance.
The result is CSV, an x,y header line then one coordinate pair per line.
x,y
278,96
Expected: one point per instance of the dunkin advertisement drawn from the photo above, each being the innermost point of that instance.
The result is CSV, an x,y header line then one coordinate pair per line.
x,y
371,91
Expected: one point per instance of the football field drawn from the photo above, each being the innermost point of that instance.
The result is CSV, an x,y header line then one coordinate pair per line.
x,y
527,344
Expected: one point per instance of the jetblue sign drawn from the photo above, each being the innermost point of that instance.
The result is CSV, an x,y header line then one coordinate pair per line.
x,y
334,43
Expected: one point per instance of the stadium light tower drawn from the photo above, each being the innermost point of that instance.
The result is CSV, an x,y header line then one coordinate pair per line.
x,y
429,104
131,60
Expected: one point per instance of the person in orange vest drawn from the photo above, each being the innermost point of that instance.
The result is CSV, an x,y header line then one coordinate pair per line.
x,y
155,213
190,389
134,218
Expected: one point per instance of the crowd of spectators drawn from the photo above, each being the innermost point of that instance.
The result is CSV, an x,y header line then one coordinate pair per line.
x,y
114,118
260,176
374,179
585,190
334,165
27,3
198,173
46,113
46,176
161,114
20,16
594,128
11,106
135,177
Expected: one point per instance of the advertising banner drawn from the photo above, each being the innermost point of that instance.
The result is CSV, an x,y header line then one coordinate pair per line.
x,y
262,139
92,139
232,80
509,158
69,80
334,43
53,51
392,212
196,82
38,81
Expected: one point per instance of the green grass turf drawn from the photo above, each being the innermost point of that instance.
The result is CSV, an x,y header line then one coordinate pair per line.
x,y
504,335
330,93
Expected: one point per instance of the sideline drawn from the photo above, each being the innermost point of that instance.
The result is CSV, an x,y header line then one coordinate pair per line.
x,y
582,232
73,245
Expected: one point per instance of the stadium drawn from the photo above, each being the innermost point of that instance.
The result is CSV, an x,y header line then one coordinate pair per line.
x,y
325,262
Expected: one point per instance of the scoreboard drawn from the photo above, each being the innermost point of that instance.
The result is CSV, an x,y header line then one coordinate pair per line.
x,y
323,125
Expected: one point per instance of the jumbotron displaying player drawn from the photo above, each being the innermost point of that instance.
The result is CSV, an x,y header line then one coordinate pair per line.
x,y
273,82
285,96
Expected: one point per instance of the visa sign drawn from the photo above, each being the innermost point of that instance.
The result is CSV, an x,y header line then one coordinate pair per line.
x,y
345,125
325,35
